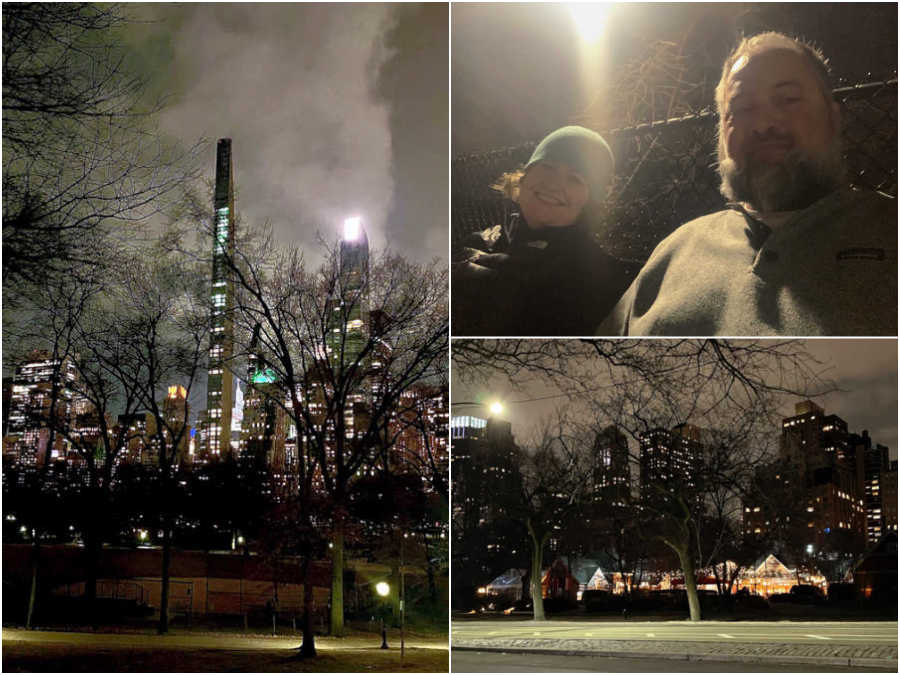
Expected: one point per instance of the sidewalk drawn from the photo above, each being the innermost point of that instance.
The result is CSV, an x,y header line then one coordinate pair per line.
x,y
873,656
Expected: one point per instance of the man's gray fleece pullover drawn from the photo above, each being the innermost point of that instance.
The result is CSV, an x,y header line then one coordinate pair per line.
x,y
830,270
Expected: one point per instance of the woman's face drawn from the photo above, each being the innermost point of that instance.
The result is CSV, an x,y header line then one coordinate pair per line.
x,y
552,194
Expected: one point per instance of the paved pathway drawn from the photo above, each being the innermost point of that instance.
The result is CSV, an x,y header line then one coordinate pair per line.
x,y
516,662
835,643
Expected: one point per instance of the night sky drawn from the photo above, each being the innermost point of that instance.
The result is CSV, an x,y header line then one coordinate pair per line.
x,y
521,70
864,370
334,110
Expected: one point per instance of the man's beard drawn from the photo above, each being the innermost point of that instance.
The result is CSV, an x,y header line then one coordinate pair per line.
x,y
792,184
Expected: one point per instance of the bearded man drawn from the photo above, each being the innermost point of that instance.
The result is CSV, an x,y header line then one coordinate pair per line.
x,y
797,252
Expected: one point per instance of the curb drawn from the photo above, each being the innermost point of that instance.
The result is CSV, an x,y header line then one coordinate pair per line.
x,y
850,662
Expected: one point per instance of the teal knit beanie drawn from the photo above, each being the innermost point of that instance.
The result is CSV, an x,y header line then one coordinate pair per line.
x,y
582,149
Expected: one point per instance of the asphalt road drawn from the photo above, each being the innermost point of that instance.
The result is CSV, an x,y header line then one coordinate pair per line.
x,y
786,632
488,662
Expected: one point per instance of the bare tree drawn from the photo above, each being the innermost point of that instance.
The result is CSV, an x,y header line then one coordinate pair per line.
x,y
162,330
554,487
62,324
125,330
139,329
81,157
345,341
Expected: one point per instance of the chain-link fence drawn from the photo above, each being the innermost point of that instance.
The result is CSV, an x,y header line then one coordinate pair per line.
x,y
666,171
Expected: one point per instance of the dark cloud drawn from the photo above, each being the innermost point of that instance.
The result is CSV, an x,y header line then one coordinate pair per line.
x,y
315,98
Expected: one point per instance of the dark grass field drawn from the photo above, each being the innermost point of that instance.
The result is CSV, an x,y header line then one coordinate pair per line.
x,y
84,652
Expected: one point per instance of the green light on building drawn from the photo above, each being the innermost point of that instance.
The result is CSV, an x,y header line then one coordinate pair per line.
x,y
265,376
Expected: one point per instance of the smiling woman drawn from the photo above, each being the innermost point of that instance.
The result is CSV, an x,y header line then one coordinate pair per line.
x,y
543,265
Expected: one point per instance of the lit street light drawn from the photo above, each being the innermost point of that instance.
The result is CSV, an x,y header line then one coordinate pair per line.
x,y
494,408
589,19
383,589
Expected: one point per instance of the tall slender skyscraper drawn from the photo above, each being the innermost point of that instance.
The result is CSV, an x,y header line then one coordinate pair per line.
x,y
220,384
347,333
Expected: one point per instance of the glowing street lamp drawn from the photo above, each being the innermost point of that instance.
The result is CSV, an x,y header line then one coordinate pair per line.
x,y
589,19
383,589
496,408
352,227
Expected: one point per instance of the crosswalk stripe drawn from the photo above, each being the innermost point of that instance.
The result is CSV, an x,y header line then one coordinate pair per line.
x,y
818,637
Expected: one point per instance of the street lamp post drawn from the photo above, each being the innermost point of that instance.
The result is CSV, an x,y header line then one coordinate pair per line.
x,y
402,604
383,589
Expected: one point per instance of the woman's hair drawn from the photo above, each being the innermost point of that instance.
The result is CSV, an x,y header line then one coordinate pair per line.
x,y
507,184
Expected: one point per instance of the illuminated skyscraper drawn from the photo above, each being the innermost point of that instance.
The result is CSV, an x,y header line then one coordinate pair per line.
x,y
220,383
31,405
347,333
612,470
264,428
670,459
176,409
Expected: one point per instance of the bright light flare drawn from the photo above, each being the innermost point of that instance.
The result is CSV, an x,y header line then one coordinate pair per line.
x,y
352,228
496,408
589,19
382,588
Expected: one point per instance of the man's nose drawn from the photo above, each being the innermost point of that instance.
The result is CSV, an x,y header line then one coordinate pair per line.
x,y
768,120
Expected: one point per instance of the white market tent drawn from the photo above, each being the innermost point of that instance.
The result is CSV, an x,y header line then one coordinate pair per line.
x,y
508,583
598,581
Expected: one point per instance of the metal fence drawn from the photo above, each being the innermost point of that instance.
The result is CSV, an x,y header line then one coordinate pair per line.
x,y
666,171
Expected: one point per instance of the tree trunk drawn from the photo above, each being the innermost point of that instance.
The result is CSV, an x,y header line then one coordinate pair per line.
x,y
337,583
690,582
93,545
163,626
432,585
308,647
537,557
35,557
395,594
